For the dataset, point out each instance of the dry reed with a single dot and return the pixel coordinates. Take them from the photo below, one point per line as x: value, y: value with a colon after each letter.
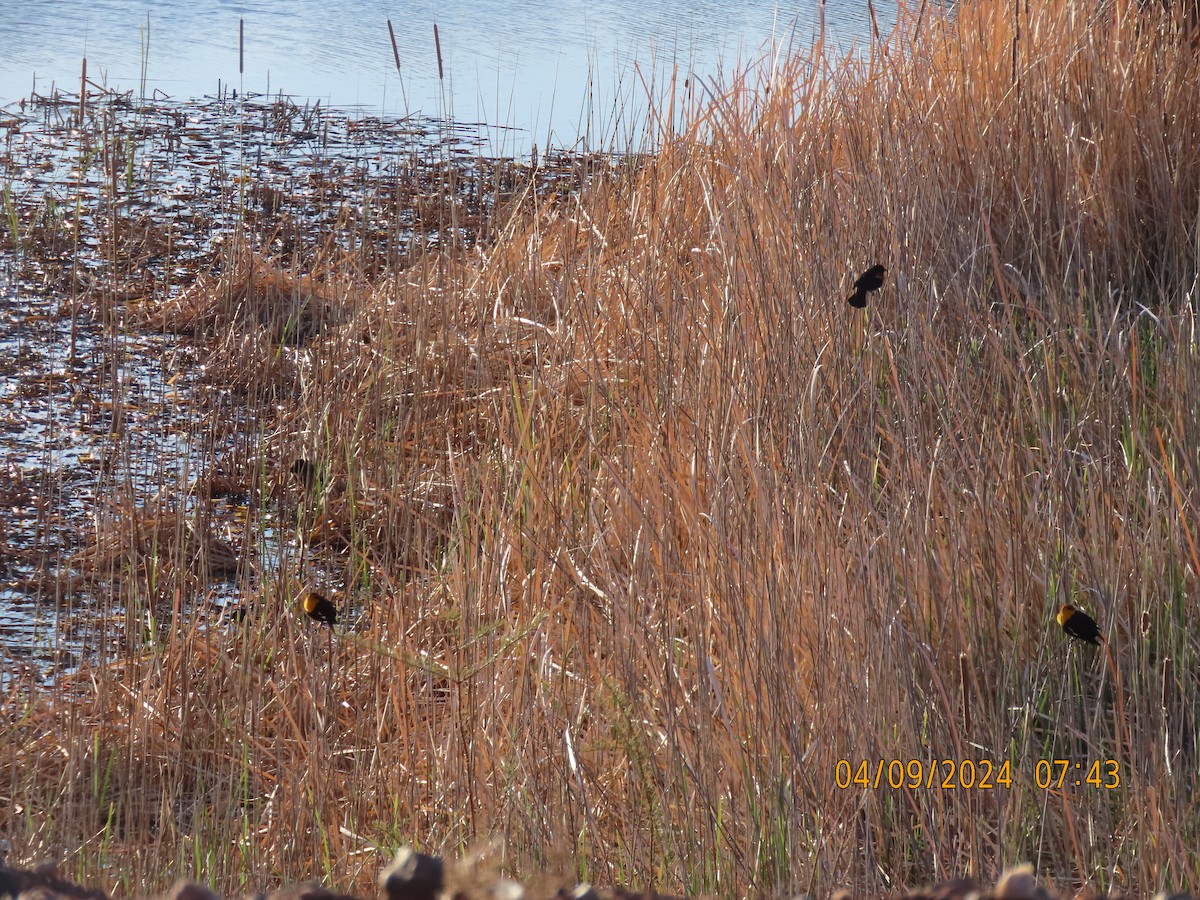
x: 642, y: 530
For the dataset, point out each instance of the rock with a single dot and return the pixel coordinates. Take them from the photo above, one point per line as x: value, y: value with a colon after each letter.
x: 507, y: 889
x: 413, y: 876
x: 43, y: 883
x: 307, y: 891
x: 1019, y: 883
x: 189, y: 890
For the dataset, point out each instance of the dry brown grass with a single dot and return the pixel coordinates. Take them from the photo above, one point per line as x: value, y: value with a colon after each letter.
x: 644, y: 530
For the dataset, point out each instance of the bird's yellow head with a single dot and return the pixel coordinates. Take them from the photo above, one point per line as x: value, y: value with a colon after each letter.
x: 1065, y: 613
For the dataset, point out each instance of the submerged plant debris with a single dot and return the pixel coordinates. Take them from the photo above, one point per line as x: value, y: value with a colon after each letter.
x: 122, y: 219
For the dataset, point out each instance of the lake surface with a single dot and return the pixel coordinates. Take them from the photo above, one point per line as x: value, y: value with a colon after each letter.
x: 550, y: 73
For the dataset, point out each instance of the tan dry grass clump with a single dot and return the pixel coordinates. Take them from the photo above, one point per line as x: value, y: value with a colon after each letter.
x: 704, y: 532
x: 151, y: 544
x: 248, y: 293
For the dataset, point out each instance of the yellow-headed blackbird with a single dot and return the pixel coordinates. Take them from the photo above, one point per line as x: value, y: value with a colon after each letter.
x: 1079, y: 625
x: 870, y: 280
x: 319, y: 608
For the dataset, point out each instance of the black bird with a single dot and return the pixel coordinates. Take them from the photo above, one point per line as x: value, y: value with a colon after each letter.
x: 319, y: 608
x: 235, y: 614
x: 1079, y: 625
x: 307, y: 473
x: 870, y: 280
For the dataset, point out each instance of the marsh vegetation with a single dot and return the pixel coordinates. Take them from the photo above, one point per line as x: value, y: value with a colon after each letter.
x: 635, y: 530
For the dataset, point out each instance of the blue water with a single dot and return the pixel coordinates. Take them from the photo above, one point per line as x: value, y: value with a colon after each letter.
x: 556, y: 72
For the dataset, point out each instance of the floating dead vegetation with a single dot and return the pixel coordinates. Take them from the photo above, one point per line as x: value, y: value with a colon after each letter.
x: 155, y: 545
x: 209, y: 283
x: 249, y: 293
